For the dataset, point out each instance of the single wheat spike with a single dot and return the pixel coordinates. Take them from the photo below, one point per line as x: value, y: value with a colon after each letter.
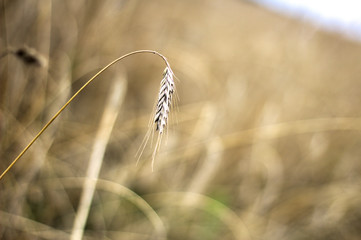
x: 164, y: 111
x: 164, y: 100
x: 162, y: 108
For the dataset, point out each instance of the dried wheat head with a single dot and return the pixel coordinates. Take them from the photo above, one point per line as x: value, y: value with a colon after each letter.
x: 164, y: 100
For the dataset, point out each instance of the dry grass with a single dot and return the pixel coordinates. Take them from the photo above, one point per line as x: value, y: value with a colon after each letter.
x: 266, y: 144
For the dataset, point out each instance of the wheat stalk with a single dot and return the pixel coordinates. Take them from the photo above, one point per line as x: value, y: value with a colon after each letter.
x: 97, y: 157
x: 168, y: 78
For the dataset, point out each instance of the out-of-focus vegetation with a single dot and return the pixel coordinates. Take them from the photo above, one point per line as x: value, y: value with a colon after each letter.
x: 265, y: 142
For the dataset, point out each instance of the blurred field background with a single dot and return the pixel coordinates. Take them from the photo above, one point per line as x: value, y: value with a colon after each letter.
x: 264, y: 144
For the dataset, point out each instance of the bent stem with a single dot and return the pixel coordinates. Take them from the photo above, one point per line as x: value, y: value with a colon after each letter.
x: 72, y: 98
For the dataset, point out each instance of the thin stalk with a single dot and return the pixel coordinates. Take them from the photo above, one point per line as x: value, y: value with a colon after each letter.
x: 72, y: 98
x: 97, y: 156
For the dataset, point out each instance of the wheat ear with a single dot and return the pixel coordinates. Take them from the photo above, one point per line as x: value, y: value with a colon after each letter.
x: 163, y: 107
x: 164, y: 100
x: 77, y: 93
x: 161, y: 114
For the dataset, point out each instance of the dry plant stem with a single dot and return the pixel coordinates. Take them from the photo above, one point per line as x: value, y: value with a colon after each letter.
x: 96, y: 159
x: 72, y: 98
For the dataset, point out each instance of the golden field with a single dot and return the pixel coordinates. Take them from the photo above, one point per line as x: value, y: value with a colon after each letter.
x: 263, y: 143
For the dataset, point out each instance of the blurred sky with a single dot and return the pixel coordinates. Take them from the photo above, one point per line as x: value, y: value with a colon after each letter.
x: 342, y: 16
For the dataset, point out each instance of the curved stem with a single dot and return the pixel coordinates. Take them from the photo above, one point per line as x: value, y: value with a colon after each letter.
x: 72, y: 98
